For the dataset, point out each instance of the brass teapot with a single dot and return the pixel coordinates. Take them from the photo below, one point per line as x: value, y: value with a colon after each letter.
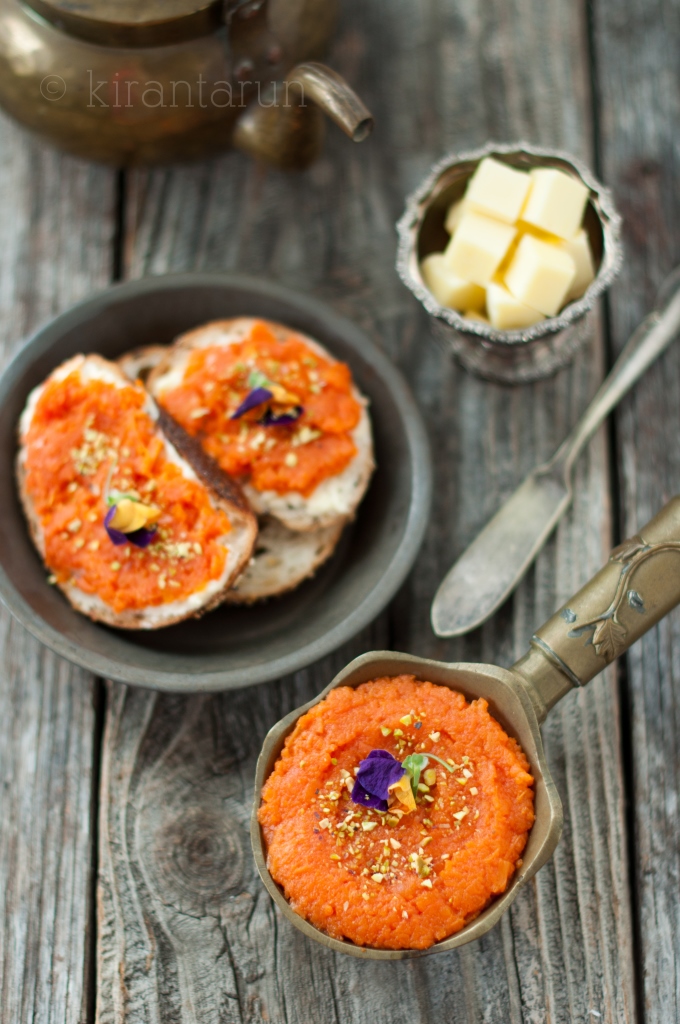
x: 149, y: 81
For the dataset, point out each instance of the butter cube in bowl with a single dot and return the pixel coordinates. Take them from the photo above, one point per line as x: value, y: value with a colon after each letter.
x: 507, y: 248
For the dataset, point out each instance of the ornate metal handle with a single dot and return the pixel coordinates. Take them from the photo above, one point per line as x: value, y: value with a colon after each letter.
x: 638, y: 586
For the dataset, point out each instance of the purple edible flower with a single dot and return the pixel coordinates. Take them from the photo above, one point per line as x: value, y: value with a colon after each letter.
x: 377, y: 773
x: 272, y: 419
x: 140, y: 538
x: 254, y: 398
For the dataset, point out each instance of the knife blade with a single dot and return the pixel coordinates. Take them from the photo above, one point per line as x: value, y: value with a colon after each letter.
x: 489, y: 570
x: 497, y: 559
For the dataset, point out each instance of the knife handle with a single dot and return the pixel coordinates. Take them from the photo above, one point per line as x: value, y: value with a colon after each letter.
x: 637, y: 587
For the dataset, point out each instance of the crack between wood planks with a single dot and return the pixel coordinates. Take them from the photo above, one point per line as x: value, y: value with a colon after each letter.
x: 334, y: 997
x: 282, y: 990
x: 99, y: 687
x: 118, y: 241
x: 239, y: 996
x: 90, y: 1001
x: 615, y: 481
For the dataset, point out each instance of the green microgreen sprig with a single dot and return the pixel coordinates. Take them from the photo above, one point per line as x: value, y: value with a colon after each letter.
x: 414, y: 764
x: 113, y: 497
x: 257, y: 379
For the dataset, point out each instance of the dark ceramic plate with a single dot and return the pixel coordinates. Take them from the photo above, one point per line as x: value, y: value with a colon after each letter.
x: 229, y: 647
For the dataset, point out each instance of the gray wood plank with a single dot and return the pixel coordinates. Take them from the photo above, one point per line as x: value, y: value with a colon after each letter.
x: 637, y: 49
x: 55, y: 246
x: 437, y: 75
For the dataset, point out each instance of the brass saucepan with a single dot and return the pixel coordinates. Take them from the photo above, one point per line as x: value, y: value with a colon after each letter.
x: 636, y: 588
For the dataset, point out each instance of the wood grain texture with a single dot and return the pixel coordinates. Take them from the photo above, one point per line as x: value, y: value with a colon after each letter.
x: 175, y: 946
x: 637, y: 48
x: 55, y: 247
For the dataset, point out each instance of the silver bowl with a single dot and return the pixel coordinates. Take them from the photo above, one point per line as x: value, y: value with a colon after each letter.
x: 519, y: 356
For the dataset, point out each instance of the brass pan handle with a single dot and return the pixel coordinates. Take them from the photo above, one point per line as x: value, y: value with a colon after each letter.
x: 638, y: 586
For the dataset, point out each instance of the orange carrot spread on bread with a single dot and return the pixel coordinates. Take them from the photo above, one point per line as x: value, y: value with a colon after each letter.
x: 299, y: 431
x: 91, y: 443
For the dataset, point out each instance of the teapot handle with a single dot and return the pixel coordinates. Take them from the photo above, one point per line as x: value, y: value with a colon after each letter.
x: 638, y: 586
x: 230, y: 7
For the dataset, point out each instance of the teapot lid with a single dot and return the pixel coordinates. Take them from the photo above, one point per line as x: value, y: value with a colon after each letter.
x: 135, y: 22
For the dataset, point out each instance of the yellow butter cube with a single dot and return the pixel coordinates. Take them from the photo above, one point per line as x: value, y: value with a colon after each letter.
x: 555, y: 203
x: 578, y: 248
x: 473, y: 314
x: 540, y: 275
x: 499, y: 276
x: 454, y: 213
x: 498, y: 190
x: 508, y: 313
x: 448, y: 289
x: 478, y: 246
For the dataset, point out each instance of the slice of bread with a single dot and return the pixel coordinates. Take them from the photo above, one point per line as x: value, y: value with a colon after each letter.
x: 194, y: 465
x: 282, y: 559
x: 138, y: 364
x: 335, y: 500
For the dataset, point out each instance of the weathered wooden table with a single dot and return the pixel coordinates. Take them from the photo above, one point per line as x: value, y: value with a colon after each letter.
x: 127, y: 887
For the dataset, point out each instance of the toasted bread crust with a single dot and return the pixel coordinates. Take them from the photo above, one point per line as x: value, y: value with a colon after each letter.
x: 282, y: 560
x: 336, y: 499
x: 223, y: 494
x: 138, y: 364
x: 205, y: 467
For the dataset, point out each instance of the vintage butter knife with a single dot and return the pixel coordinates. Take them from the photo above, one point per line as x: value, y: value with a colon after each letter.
x: 492, y: 566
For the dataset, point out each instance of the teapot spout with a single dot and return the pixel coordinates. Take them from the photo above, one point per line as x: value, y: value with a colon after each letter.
x: 285, y: 127
x: 334, y: 96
